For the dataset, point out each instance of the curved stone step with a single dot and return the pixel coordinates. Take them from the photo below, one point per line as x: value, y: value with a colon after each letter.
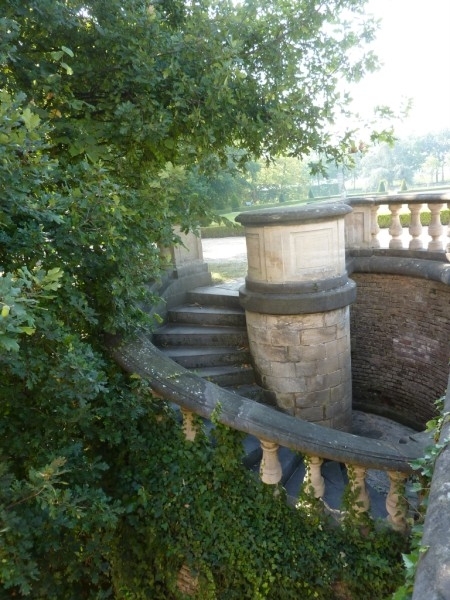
x: 228, y: 375
x: 195, y: 335
x: 214, y: 296
x: 207, y: 315
x: 196, y: 357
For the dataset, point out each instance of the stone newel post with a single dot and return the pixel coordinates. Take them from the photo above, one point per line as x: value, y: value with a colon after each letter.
x: 297, y: 296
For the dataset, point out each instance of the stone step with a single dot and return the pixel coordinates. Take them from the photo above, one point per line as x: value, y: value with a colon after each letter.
x: 214, y: 296
x: 290, y: 463
x: 207, y: 315
x: 335, y: 482
x: 252, y: 451
x: 227, y: 376
x: 197, y: 357
x: 252, y: 391
x: 294, y: 483
x: 173, y: 334
x: 377, y: 484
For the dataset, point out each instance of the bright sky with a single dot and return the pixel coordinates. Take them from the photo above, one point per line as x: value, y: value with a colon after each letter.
x: 414, y: 45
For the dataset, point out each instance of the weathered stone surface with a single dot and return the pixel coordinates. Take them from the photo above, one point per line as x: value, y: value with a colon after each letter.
x: 315, y: 337
x: 296, y: 299
x: 306, y: 353
x: 283, y: 369
x: 433, y: 573
x: 286, y: 402
x: 314, y: 414
x: 176, y: 384
x: 305, y: 369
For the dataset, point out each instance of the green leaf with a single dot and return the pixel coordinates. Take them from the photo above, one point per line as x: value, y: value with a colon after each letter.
x: 27, y: 330
x: 67, y: 51
x: 8, y: 343
x: 57, y: 54
x: 68, y: 69
x: 30, y: 119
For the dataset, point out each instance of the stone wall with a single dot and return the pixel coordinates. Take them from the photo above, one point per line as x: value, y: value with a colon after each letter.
x: 400, y: 331
x: 306, y: 359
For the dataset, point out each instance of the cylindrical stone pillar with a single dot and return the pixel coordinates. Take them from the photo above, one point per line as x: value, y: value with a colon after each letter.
x: 296, y: 297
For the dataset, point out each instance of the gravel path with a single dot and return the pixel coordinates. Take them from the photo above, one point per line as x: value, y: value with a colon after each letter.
x: 220, y: 249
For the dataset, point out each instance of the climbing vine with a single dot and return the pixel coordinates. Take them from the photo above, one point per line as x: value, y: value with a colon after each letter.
x: 238, y: 537
x: 424, y: 468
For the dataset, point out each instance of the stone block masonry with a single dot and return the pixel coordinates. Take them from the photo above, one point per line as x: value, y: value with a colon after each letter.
x: 297, y: 296
x: 306, y: 359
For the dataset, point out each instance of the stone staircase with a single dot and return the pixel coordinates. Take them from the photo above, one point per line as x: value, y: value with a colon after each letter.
x: 208, y: 336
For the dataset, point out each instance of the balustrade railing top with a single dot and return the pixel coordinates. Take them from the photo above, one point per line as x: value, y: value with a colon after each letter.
x: 363, y: 230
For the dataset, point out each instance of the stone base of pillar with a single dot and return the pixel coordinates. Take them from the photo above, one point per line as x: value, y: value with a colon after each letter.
x: 303, y: 361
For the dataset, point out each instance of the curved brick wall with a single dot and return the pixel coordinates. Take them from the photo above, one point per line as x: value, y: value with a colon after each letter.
x: 400, y: 332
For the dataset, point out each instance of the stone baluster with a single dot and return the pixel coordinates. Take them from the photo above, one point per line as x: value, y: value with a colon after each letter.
x: 396, y: 229
x: 189, y: 427
x: 435, y: 229
x: 357, y: 483
x: 396, y: 505
x: 374, y: 228
x: 313, y: 476
x: 415, y: 228
x: 270, y: 470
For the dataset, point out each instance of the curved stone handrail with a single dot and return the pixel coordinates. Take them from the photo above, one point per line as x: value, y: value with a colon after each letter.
x: 176, y: 384
x: 433, y: 573
x: 403, y: 262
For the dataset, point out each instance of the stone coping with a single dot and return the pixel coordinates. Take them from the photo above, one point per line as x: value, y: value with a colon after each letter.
x: 405, y: 198
x: 305, y: 213
x: 292, y: 301
x: 400, y: 262
x: 296, y: 287
x: 433, y: 573
x: 176, y: 384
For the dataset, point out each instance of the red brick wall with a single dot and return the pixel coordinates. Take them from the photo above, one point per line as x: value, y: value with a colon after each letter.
x: 400, y: 329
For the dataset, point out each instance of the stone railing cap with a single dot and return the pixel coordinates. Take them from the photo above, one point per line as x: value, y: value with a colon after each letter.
x: 403, y: 198
x: 176, y: 384
x: 304, y: 213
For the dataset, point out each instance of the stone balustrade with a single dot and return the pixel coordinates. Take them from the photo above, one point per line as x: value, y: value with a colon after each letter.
x: 314, y: 483
x: 362, y: 229
x: 275, y: 429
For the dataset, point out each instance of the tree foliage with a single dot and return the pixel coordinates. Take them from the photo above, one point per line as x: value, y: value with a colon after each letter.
x: 109, y: 112
x: 407, y: 159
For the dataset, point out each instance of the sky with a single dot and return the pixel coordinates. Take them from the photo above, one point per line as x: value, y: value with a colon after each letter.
x: 414, y: 45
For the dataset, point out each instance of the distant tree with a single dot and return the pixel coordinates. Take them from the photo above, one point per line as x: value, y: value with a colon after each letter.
x: 378, y: 164
x: 434, y: 150
x: 383, y: 186
x: 431, y: 169
x: 285, y: 179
